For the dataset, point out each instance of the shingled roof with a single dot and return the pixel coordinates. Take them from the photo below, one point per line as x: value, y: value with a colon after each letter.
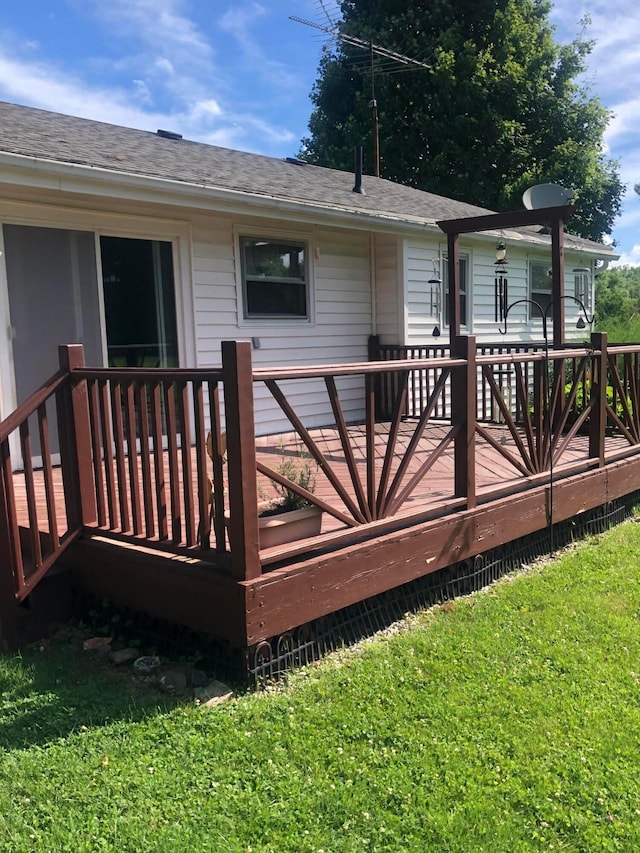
x: 63, y: 139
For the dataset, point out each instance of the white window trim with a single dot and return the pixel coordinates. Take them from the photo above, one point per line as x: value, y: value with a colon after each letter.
x: 270, y: 233
x: 533, y: 315
x: 465, y: 322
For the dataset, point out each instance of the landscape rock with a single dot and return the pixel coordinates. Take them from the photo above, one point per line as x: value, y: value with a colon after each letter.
x: 174, y: 681
x: 123, y: 656
x: 213, y: 694
x: 96, y: 643
x: 146, y: 664
x: 198, y: 678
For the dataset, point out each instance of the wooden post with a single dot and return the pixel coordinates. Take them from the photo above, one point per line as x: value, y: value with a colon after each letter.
x: 557, y: 281
x: 9, y: 613
x: 74, y: 427
x: 598, y: 414
x: 453, y: 272
x: 540, y: 396
x: 373, y: 353
x: 373, y: 344
x: 241, y: 456
x: 463, y: 414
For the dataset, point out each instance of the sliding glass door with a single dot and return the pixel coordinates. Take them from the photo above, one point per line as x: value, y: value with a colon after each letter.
x: 139, y: 302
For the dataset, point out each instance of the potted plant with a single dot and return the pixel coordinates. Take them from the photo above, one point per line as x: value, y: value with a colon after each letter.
x: 288, y: 515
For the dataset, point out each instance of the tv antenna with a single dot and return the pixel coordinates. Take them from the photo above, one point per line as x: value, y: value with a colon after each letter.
x: 374, y: 50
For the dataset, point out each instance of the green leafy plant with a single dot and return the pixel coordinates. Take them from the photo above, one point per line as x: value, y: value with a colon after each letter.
x: 299, y: 471
x: 583, y: 395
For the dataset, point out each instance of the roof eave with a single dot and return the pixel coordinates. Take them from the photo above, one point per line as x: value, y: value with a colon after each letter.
x: 67, y: 177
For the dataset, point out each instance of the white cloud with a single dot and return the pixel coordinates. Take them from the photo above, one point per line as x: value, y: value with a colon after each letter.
x: 241, y: 23
x: 160, y: 24
x: 629, y: 259
x: 238, y: 23
x: 203, y: 121
x: 44, y: 86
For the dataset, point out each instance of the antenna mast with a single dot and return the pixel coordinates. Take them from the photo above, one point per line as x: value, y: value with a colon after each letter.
x: 374, y: 49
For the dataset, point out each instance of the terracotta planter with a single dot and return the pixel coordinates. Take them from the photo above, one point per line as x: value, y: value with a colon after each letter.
x: 288, y: 526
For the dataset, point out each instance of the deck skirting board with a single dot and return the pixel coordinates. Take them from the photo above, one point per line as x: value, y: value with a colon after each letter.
x: 288, y: 597
x: 204, y: 599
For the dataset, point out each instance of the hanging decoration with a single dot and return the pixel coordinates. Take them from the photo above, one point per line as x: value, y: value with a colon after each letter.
x: 582, y: 286
x: 501, y: 298
x: 435, y: 282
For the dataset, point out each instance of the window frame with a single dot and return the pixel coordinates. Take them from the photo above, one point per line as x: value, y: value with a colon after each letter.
x: 534, y: 313
x: 245, y: 235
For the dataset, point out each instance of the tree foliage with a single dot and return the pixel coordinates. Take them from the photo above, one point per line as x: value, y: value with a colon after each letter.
x: 500, y: 108
x: 618, y: 303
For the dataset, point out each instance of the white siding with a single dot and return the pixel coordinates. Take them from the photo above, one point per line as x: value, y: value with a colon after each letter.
x: 389, y: 288
x: 338, y: 331
x: 419, y: 257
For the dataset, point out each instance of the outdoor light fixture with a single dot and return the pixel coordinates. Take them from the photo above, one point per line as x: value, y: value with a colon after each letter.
x: 436, y: 298
x: 500, y: 283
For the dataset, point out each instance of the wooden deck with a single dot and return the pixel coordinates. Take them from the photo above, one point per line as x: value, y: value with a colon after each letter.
x: 434, y: 483
x: 493, y: 472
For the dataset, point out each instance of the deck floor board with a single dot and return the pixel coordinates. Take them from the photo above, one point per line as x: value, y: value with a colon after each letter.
x: 493, y: 471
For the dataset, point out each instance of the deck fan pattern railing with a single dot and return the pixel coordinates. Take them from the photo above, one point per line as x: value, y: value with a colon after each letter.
x: 545, y: 391
x: 421, y: 380
x: 623, y: 391
x: 383, y: 469
x: 135, y: 463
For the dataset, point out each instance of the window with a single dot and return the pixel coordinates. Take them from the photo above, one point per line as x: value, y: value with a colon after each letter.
x: 539, y: 288
x: 275, y: 278
x: 464, y: 290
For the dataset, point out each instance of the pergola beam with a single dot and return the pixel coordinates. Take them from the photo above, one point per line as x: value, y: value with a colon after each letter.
x: 511, y: 219
x: 552, y: 217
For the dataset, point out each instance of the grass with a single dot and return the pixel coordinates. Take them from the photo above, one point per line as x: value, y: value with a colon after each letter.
x: 507, y: 721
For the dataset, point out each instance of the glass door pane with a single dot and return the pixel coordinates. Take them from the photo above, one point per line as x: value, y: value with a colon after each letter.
x: 139, y: 302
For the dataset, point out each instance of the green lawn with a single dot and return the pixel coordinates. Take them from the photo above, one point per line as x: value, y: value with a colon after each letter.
x: 509, y: 721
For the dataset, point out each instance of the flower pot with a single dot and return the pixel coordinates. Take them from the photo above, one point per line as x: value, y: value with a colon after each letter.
x: 286, y: 527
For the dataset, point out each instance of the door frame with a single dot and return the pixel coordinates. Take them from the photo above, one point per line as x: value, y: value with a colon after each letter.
x: 177, y: 232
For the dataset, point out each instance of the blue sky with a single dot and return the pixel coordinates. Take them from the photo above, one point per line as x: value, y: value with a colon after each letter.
x: 238, y: 72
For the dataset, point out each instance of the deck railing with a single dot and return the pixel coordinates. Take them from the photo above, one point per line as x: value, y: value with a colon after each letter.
x: 54, y: 512
x: 421, y: 380
x: 136, y: 464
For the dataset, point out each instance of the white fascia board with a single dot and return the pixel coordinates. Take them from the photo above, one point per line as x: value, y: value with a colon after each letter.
x: 91, y: 181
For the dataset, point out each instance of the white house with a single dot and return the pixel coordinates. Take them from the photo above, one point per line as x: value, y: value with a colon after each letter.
x: 152, y: 249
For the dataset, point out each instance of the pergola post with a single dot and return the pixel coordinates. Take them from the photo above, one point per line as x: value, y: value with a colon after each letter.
x: 453, y: 267
x: 553, y: 217
x: 557, y: 281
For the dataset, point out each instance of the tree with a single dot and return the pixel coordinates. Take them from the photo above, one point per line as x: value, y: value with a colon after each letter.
x: 499, y: 110
x: 618, y: 303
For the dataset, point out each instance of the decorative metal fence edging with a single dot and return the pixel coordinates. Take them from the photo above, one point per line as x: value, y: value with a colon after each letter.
x: 272, y: 659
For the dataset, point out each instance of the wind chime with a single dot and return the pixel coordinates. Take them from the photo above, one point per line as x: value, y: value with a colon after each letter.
x: 582, y: 286
x: 436, y: 299
x: 500, y: 283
